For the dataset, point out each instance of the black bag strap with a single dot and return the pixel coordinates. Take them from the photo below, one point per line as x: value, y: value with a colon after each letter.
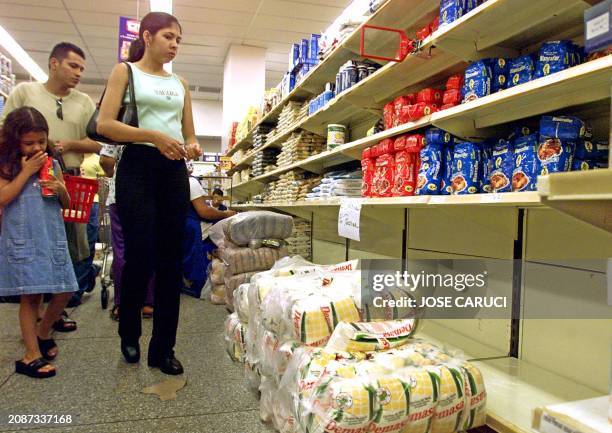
x: 130, y: 87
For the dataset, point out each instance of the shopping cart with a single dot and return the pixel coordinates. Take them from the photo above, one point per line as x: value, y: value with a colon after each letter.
x: 104, y: 238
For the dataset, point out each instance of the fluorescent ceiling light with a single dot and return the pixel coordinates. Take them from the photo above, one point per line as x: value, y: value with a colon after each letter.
x: 162, y: 6
x: 23, y: 58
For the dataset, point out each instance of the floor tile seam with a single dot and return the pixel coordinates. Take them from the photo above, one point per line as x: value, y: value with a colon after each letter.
x: 136, y: 420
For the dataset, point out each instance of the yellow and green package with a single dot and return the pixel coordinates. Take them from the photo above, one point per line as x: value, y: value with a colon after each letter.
x: 311, y: 318
x: 451, y: 405
x: 371, y: 336
x: 423, y: 399
x: 476, y: 415
x: 392, y: 404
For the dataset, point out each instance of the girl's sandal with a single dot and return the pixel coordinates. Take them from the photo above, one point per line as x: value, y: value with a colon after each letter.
x: 65, y: 324
x: 45, y: 346
x: 33, y: 369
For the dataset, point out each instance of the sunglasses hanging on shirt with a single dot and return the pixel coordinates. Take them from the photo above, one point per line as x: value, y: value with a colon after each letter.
x: 59, y: 112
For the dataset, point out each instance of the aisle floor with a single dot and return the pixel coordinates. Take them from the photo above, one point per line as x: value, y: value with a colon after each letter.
x: 102, y: 392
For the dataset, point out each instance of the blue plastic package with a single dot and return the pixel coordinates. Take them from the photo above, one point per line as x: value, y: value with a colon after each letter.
x: 451, y: 10
x: 477, y: 83
x: 502, y: 166
x: 438, y: 136
x: 466, y: 168
x: 555, y: 56
x: 313, y: 46
x: 554, y: 154
x: 563, y: 127
x: 586, y: 149
x: 429, y: 180
x: 520, y: 71
x: 524, y: 175
x: 585, y: 164
x: 486, y: 150
x: 518, y: 131
x: 447, y: 169
x: 500, y: 68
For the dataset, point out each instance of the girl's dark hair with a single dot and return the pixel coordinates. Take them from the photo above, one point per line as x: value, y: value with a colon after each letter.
x: 16, y: 124
x: 217, y: 191
x: 153, y: 22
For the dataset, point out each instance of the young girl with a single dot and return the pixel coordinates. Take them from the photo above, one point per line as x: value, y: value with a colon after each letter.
x: 34, y: 256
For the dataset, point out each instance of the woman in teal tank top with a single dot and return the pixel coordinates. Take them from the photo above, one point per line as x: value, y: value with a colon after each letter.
x: 152, y: 187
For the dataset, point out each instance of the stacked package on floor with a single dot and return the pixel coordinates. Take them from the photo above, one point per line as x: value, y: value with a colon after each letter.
x: 260, y: 134
x: 264, y: 161
x: 337, y: 184
x: 300, y: 146
x: 298, y: 244
x: 239, y: 241
x: 320, y: 368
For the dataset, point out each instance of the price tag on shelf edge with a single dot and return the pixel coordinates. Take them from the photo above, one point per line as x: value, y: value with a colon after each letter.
x: 348, y: 218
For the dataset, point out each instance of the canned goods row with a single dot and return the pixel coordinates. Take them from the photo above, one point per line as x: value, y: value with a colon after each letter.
x: 352, y: 73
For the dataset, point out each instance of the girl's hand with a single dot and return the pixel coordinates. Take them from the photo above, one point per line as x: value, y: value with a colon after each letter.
x: 169, y: 147
x: 194, y: 151
x: 31, y: 165
x: 54, y: 184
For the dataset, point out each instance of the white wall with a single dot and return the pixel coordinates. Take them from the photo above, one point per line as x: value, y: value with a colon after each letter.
x: 207, y: 117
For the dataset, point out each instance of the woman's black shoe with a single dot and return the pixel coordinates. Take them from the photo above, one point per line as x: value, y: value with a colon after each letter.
x: 131, y: 352
x: 168, y: 364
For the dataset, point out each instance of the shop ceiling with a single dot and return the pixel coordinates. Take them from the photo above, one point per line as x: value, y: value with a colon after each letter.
x: 209, y: 27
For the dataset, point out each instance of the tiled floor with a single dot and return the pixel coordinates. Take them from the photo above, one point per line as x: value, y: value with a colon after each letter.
x: 103, y: 394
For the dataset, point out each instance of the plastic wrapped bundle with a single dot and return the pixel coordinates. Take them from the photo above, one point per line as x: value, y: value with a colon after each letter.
x: 371, y: 336
x: 234, y: 338
x: 241, y: 260
x: 217, y: 295
x: 217, y: 272
x: 232, y: 284
x: 241, y: 302
x: 243, y: 227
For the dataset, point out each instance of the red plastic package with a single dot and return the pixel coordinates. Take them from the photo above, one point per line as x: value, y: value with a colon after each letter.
x: 400, y: 143
x: 452, y: 97
x: 418, y: 110
x: 455, y: 82
x: 386, y: 146
x: 435, y: 24
x: 398, y: 104
x: 414, y: 143
x: 389, y: 115
x: 405, y: 173
x: 430, y: 96
x: 447, y: 106
x: 384, y: 176
x: 368, y: 167
x: 424, y: 32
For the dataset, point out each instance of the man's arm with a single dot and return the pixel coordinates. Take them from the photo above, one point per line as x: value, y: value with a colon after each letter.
x: 86, y: 145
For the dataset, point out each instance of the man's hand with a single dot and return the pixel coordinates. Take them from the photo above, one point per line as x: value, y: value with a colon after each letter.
x: 31, y: 165
x: 194, y: 151
x: 63, y: 146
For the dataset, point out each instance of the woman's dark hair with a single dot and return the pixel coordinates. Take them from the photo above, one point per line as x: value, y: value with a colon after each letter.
x: 17, y: 123
x: 217, y: 191
x: 153, y: 22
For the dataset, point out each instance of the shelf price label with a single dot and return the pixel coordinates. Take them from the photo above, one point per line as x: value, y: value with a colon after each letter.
x: 348, y: 218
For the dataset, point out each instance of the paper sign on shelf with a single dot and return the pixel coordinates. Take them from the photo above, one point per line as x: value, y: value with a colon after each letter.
x: 348, y: 218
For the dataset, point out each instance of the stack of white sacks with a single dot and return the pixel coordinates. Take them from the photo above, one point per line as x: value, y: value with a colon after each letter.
x: 319, y: 367
x: 247, y: 243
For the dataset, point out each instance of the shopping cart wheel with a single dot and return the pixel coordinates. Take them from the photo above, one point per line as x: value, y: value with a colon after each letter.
x: 104, y: 298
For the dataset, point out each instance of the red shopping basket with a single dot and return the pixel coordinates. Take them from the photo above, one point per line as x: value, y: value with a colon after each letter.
x: 82, y: 192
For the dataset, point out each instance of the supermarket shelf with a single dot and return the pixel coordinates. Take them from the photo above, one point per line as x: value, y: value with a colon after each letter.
x: 586, y: 195
x: 519, y: 199
x: 582, y: 84
x: 515, y: 388
x: 496, y: 28
x: 590, y: 82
